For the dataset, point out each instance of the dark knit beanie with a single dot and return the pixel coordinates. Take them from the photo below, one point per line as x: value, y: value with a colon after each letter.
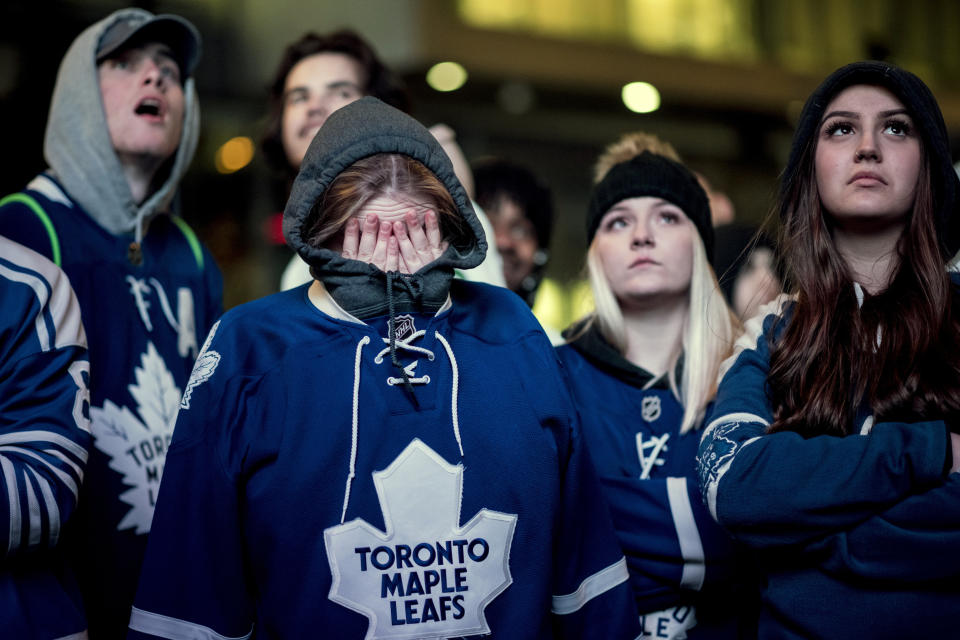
x: 927, y: 119
x: 650, y: 174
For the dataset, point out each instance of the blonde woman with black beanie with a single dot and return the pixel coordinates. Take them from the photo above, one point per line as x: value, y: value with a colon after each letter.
x: 643, y: 369
x: 831, y: 450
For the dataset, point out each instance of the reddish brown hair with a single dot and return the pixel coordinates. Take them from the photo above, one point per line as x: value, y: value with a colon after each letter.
x: 384, y: 174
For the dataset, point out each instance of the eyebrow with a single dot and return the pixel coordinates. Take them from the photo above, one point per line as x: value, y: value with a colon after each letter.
x: 853, y: 115
x: 337, y: 84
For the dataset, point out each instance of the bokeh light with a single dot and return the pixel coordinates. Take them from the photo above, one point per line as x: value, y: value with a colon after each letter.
x: 446, y: 76
x: 641, y: 97
x: 234, y: 154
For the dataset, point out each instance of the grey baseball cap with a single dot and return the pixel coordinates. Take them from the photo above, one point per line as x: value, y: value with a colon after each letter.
x: 142, y: 26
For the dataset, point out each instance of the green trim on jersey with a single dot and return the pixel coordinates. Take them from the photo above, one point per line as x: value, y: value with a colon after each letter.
x: 34, y: 206
x: 191, y: 239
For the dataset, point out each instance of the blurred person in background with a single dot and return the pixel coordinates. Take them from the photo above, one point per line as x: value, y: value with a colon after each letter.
x: 319, y: 74
x: 520, y: 208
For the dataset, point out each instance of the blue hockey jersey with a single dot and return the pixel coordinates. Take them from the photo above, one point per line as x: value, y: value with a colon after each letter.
x: 856, y: 536
x: 307, y: 493
x: 145, y: 324
x: 680, y: 561
x: 44, y: 441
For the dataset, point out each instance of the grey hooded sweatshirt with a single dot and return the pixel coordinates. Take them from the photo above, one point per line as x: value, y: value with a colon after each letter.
x: 359, y: 130
x: 77, y: 142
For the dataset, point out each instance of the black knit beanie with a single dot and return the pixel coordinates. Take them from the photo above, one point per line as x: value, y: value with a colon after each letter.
x: 650, y: 174
x: 924, y: 111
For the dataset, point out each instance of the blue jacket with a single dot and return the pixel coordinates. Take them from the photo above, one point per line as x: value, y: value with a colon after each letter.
x: 857, y: 536
x: 308, y: 493
x: 44, y: 442
x: 145, y: 325
x: 680, y: 561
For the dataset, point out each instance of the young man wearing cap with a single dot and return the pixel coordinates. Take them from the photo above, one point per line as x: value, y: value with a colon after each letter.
x: 122, y: 130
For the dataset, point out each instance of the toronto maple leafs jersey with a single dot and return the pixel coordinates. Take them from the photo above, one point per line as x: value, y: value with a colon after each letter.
x: 857, y: 536
x: 44, y: 440
x: 145, y: 325
x: 309, y: 493
x: 680, y: 561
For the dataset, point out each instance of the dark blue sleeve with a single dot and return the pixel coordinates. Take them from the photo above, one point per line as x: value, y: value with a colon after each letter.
x: 590, y: 585
x: 782, y: 489
x: 670, y: 541
x: 592, y: 595
x: 193, y: 578
x: 914, y: 542
x: 20, y: 224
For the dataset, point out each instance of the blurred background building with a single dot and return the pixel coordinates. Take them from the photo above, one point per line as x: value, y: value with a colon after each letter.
x: 546, y: 83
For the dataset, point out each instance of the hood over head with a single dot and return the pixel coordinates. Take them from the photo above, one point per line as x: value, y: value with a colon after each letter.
x: 926, y: 115
x: 356, y: 131
x: 77, y: 143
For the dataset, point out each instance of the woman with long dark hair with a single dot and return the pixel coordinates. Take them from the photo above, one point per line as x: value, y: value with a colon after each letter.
x: 831, y: 449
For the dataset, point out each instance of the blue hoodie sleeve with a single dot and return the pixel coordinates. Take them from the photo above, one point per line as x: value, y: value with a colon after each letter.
x: 780, y: 489
x: 44, y: 401
x: 912, y: 543
x: 193, y: 581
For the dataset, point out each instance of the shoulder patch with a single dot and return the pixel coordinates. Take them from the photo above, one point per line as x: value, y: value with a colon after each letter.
x: 203, y: 368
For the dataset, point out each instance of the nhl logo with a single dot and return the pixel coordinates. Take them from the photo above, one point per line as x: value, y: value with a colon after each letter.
x: 404, y: 327
x: 650, y: 408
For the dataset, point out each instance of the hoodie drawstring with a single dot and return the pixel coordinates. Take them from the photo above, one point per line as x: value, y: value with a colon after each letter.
x: 392, y: 346
x: 414, y: 285
x: 354, y: 429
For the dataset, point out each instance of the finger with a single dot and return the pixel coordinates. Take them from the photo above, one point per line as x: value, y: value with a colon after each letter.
x: 417, y: 235
x: 393, y: 254
x: 379, y: 258
x: 351, y: 239
x: 368, y: 237
x: 408, y: 252
x: 434, y: 240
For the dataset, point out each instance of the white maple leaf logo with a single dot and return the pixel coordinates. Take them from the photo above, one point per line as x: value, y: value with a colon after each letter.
x: 426, y: 576
x: 137, y: 443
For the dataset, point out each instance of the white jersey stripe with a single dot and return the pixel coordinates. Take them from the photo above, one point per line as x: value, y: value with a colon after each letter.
x: 58, y: 305
x: 45, y: 436
x: 10, y: 479
x: 53, y: 512
x: 175, y: 629
x: 40, y: 289
x: 62, y: 475
x: 691, y: 546
x: 35, y: 535
x: 595, y: 585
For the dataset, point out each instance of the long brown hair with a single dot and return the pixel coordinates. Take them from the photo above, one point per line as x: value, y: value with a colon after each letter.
x: 898, y: 353
x: 384, y: 174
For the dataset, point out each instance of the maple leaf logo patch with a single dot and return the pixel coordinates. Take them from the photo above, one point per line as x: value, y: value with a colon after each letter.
x: 425, y: 576
x: 137, y: 443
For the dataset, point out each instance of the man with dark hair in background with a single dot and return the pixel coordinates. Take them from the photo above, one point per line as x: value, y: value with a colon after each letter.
x: 317, y: 75
x: 520, y: 209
